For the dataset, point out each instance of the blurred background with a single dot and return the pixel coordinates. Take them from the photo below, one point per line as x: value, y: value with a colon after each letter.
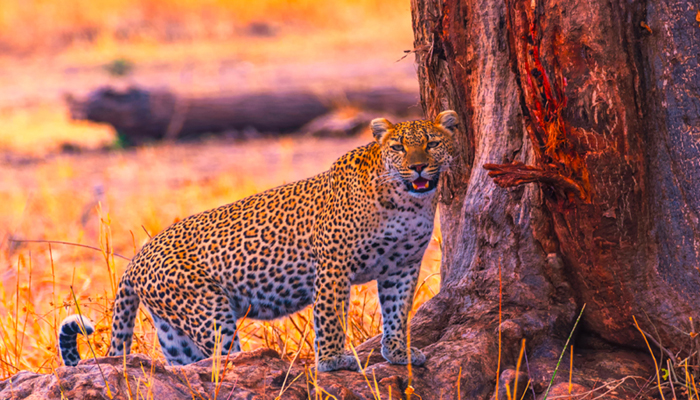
x: 84, y: 81
x: 50, y: 49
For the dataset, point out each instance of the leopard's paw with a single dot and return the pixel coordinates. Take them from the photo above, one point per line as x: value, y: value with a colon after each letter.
x: 336, y: 362
x: 395, y: 352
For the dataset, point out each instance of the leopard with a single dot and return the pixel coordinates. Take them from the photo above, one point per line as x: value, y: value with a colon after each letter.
x: 368, y: 218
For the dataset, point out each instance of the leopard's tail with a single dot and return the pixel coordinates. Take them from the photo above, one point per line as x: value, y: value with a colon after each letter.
x: 126, y: 305
x: 68, y: 337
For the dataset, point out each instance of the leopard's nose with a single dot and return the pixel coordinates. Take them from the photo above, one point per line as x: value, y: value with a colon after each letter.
x: 418, y: 167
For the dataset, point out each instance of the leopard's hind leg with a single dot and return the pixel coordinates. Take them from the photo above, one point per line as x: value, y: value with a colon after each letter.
x: 177, y: 347
x: 126, y: 306
x: 200, y: 319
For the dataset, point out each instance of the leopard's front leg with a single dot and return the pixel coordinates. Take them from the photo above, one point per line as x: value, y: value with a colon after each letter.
x: 396, y: 290
x: 332, y: 288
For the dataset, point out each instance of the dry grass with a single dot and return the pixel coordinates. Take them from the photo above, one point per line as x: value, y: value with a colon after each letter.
x: 60, y: 199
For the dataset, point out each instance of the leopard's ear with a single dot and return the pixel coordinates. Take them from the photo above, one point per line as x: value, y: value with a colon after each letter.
x: 447, y: 120
x: 380, y: 127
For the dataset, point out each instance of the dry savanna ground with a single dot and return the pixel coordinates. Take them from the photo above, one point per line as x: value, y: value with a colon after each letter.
x: 113, y: 199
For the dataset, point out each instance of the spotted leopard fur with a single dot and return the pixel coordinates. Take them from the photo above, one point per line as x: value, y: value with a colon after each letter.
x: 370, y: 217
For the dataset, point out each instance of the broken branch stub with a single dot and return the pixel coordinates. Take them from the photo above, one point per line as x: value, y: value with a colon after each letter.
x: 517, y: 173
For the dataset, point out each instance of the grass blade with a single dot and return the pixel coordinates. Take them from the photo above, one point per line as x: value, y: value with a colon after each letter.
x: 551, y: 381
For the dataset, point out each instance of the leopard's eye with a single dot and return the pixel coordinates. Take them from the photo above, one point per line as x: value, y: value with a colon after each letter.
x: 397, y: 147
x: 432, y: 145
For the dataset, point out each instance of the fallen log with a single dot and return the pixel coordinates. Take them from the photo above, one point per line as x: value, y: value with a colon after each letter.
x: 140, y: 115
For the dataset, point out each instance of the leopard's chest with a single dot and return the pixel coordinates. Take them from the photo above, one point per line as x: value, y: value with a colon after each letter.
x: 396, y: 244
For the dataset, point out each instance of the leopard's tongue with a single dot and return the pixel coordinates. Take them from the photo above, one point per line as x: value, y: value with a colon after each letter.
x: 420, y: 183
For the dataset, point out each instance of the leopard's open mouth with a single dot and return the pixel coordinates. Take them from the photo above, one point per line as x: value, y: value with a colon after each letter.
x: 422, y: 185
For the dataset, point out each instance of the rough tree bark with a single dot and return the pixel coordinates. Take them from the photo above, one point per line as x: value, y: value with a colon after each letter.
x: 595, y: 105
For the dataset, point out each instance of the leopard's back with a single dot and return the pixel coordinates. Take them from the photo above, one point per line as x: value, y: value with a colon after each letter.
x: 258, y: 250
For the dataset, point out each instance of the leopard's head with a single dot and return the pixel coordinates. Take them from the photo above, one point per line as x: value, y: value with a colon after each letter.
x: 415, y: 152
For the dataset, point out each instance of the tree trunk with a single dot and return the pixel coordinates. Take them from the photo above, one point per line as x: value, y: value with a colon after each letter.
x: 597, y: 104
